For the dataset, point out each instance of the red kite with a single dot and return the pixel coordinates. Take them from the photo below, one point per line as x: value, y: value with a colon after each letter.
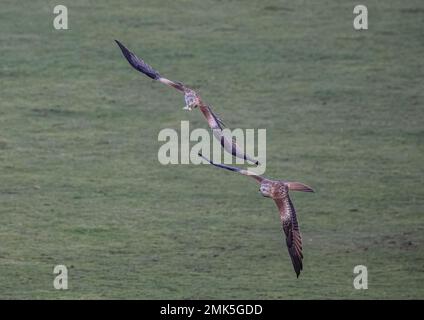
x: 278, y: 190
x: 192, y: 101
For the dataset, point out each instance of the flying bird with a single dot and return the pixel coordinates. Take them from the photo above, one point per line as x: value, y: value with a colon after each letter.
x: 192, y: 101
x: 278, y: 190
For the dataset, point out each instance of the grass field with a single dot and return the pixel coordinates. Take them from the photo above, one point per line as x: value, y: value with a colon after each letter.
x: 81, y: 184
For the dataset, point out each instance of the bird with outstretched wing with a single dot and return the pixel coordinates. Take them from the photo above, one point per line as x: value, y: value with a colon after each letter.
x: 192, y: 101
x: 278, y: 190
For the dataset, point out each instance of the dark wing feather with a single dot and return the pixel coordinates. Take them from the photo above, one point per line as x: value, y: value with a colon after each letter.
x: 138, y: 63
x: 144, y: 68
x: 292, y: 232
x: 217, y: 119
x: 235, y: 169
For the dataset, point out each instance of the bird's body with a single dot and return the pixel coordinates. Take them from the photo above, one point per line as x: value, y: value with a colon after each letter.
x: 192, y: 101
x: 278, y: 190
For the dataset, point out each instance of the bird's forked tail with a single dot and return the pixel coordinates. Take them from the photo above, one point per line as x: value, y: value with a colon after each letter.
x: 297, y: 186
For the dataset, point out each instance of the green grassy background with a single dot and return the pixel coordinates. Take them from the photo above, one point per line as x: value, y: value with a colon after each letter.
x: 80, y: 183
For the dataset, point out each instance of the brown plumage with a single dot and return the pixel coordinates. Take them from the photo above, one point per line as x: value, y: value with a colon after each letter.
x: 192, y: 101
x: 278, y: 190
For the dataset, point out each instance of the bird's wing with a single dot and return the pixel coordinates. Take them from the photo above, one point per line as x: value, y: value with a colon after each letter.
x: 291, y: 230
x: 143, y: 67
x: 217, y: 126
x: 235, y: 169
x: 213, y: 120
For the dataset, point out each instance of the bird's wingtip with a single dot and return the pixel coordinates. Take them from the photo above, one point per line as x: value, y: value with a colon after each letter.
x: 201, y: 156
x: 119, y: 44
x: 298, y: 271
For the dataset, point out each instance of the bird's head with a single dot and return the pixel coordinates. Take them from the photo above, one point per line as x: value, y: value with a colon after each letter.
x: 274, y: 190
x: 266, y: 189
x: 192, y: 99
